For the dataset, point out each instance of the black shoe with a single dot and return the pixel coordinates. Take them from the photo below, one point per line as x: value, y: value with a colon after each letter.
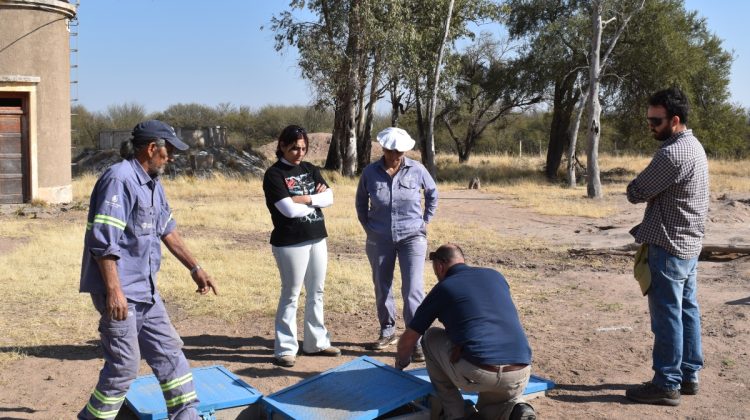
x: 522, y: 411
x: 418, y: 355
x: 689, y: 388
x: 383, y: 342
x: 648, y: 393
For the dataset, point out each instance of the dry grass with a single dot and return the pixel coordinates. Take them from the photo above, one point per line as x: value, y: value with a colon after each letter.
x: 226, y: 224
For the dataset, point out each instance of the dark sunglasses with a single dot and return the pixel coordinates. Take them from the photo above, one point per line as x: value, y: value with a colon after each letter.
x: 656, y: 121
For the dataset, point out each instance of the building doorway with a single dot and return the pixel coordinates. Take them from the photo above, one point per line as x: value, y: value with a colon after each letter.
x: 14, y: 148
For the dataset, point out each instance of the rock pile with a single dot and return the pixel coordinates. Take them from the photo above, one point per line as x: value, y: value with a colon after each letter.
x: 203, y: 162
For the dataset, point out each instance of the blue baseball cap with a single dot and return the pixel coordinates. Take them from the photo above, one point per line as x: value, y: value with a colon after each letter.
x: 154, y: 129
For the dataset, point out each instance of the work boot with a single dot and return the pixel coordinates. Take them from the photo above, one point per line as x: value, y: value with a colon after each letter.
x: 284, y: 361
x: 418, y: 355
x: 522, y: 411
x: 329, y: 351
x: 648, y: 393
x: 689, y: 388
x: 383, y: 342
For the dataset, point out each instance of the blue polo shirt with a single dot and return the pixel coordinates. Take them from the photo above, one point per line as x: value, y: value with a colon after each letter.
x: 475, y: 306
x: 128, y: 216
x: 392, y: 207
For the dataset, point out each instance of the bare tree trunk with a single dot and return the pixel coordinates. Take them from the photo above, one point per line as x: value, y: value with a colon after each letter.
x: 428, y: 155
x: 597, y: 64
x: 594, y: 184
x: 364, y: 147
x: 348, y: 127
x: 333, y: 158
x: 573, y: 135
x: 395, y: 102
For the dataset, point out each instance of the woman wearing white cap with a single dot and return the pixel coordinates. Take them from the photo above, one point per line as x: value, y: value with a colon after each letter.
x: 388, y: 203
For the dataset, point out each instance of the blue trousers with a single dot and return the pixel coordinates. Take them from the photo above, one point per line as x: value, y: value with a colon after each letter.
x: 382, y: 254
x: 675, y: 318
x: 146, y: 331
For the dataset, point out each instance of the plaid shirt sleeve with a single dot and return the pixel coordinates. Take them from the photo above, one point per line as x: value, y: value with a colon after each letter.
x: 675, y: 188
x: 659, y: 175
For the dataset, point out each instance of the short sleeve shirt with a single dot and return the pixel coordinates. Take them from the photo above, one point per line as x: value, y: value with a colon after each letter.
x: 281, y: 181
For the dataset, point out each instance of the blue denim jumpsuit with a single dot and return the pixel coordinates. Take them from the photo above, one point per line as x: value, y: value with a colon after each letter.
x: 390, y: 211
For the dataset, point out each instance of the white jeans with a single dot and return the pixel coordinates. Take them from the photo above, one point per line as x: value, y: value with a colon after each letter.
x: 304, y: 262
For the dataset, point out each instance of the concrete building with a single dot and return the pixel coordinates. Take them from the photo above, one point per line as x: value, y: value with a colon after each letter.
x: 35, y: 101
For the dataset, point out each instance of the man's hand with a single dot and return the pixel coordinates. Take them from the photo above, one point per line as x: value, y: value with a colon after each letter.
x: 320, y: 188
x: 117, y: 305
x: 204, y: 282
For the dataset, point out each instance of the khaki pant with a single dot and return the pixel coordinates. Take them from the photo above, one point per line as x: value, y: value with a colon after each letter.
x: 498, y: 392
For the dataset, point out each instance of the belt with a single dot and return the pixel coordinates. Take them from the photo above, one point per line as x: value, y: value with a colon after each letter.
x: 498, y: 368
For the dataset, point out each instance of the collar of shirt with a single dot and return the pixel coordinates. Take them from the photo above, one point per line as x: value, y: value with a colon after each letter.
x: 405, y: 163
x: 140, y: 173
x: 677, y: 136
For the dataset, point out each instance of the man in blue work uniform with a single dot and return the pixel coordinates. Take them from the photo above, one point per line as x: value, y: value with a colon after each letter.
x: 129, y: 218
x: 483, y: 347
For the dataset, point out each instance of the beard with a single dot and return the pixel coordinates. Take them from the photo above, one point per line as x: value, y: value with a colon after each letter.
x: 154, y: 170
x: 664, y: 133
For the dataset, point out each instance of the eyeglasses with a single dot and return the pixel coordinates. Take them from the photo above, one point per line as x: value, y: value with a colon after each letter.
x: 300, y: 131
x: 655, y: 121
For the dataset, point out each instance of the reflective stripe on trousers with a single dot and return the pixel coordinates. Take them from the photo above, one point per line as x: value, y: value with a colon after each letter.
x: 148, y: 332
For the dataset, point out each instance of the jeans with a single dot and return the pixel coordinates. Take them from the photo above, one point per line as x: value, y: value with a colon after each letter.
x: 306, y: 263
x: 675, y: 318
x: 382, y: 253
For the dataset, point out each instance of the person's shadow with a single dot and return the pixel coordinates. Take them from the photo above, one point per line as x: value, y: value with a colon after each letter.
x: 581, y: 393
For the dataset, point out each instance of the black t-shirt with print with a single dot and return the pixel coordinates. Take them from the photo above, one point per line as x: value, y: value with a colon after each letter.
x: 281, y: 181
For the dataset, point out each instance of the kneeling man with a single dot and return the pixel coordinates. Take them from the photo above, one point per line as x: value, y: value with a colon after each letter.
x: 483, y: 347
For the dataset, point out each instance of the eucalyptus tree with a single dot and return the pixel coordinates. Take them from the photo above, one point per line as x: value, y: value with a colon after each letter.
x: 603, y: 13
x: 555, y: 35
x: 330, y: 50
x: 430, y: 28
x: 489, y: 86
x: 663, y: 45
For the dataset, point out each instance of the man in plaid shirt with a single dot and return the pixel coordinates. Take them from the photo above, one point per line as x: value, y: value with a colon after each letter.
x: 675, y: 188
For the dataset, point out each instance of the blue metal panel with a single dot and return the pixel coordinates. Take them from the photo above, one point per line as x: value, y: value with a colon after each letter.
x: 361, y: 389
x: 536, y: 384
x: 217, y: 389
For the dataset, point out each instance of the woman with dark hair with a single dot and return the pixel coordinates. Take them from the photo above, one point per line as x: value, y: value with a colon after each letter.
x: 295, y: 192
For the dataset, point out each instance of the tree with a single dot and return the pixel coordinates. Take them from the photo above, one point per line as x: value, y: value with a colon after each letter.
x: 488, y: 87
x: 331, y: 51
x: 597, y: 64
x: 192, y: 115
x: 125, y: 116
x: 428, y: 154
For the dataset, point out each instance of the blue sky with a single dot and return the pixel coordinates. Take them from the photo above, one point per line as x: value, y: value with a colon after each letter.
x: 161, y: 52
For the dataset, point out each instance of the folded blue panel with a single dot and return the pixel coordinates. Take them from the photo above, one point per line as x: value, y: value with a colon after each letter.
x: 217, y: 389
x: 536, y: 385
x: 361, y: 389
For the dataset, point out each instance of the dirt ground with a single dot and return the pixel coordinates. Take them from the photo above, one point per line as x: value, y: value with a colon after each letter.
x: 586, y: 321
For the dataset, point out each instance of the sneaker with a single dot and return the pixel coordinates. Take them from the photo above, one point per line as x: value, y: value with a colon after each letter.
x: 383, y: 342
x: 689, y: 388
x: 329, y: 352
x: 284, y: 361
x: 418, y: 355
x: 522, y: 411
x: 648, y: 393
